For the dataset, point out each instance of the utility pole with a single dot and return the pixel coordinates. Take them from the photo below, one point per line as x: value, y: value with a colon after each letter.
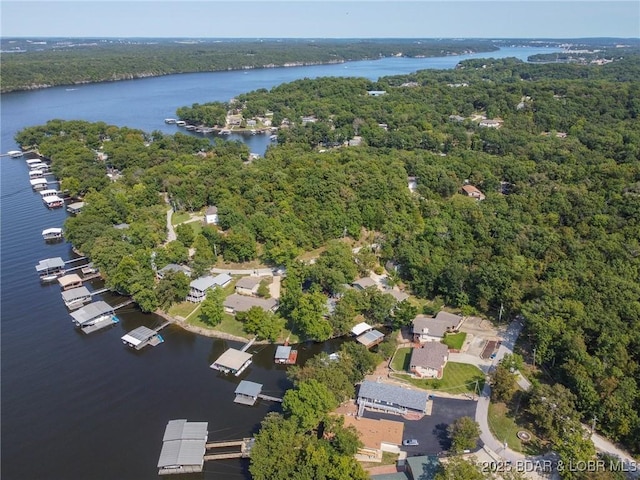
x: 534, y: 356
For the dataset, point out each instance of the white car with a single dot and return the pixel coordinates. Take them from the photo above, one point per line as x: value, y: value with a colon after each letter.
x: 411, y: 442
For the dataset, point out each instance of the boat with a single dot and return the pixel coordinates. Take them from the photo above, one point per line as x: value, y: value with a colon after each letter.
x: 273, y: 138
x: 253, y: 131
x: 190, y: 128
x: 15, y: 153
x: 170, y: 121
x: 38, y: 183
x: 181, y: 123
x: 225, y: 131
x: 52, y: 234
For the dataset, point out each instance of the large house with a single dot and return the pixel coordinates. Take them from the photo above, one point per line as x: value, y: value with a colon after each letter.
x: 390, y: 398
x: 429, y: 360
x: 198, y: 287
x: 427, y: 329
x: 377, y: 436
x: 241, y: 303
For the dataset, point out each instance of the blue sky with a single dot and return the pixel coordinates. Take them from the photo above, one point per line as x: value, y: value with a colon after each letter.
x: 321, y: 18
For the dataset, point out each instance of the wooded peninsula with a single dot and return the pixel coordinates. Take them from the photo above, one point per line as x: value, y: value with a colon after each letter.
x: 498, y: 186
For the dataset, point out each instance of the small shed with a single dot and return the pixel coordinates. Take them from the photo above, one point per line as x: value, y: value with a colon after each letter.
x: 247, y: 392
x: 211, y: 216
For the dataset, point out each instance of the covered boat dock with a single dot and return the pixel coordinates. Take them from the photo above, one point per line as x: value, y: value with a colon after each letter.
x: 285, y: 355
x: 247, y: 392
x: 370, y: 338
x: 75, y: 208
x: 70, y: 281
x: 140, y: 337
x: 76, y: 297
x: 52, y: 234
x: 232, y: 361
x: 50, y: 268
x: 183, y: 447
x: 95, y: 316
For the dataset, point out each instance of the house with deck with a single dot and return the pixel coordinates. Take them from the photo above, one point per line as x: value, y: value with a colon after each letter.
x: 390, y: 398
x: 428, y: 329
x: 429, y: 360
x: 241, y: 303
x: 198, y: 287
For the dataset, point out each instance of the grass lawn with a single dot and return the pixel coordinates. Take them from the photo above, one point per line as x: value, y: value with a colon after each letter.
x: 457, y: 378
x: 196, y: 227
x: 182, y: 309
x: 400, y: 361
x: 503, y: 426
x: 455, y: 340
x: 231, y: 326
x: 388, y: 458
x: 179, y: 217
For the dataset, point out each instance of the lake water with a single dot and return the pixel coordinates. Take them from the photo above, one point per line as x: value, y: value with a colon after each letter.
x: 78, y: 406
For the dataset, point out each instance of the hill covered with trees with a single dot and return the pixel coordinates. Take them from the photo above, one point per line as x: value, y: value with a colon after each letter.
x: 554, y: 150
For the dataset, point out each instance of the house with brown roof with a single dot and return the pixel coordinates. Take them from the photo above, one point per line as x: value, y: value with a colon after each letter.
x: 429, y: 360
x: 473, y: 192
x: 428, y: 329
x: 377, y: 436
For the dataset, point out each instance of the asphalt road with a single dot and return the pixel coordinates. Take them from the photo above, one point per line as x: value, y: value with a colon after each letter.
x: 431, y: 430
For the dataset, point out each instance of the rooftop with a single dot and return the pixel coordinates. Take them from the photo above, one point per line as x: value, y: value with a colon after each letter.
x: 249, y: 282
x: 361, y: 328
x: 242, y: 303
x: 370, y: 338
x: 50, y: 263
x: 423, y: 467
x: 384, y: 392
x: 69, y: 280
x: 365, y: 282
x: 432, y: 355
x: 137, y: 336
x: 249, y: 389
x: 204, y: 283
x: 374, y: 432
x: 183, y: 444
x: 282, y: 352
x: 91, y: 311
x: 74, y: 293
x: 232, y: 359
x: 438, y: 326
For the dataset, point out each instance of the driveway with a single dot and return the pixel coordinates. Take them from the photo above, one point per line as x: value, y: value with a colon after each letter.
x: 431, y: 430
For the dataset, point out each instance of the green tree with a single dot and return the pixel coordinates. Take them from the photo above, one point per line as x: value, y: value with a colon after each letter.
x: 308, y: 317
x: 464, y: 434
x: 211, y: 308
x: 185, y: 234
x: 261, y: 323
x: 457, y: 468
x: 173, y: 287
x: 403, y: 313
x: 308, y: 403
x: 503, y: 384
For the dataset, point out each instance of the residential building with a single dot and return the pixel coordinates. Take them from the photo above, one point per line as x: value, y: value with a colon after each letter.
x: 390, y: 398
x: 429, y: 360
x: 428, y: 329
x: 173, y: 267
x: 249, y: 285
x: 377, y: 436
x: 198, y: 287
x: 473, y: 192
x: 241, y: 303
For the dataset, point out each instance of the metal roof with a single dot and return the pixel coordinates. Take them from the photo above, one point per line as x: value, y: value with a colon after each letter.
x: 233, y: 359
x: 75, y: 206
x: 283, y: 352
x: 242, y: 303
x: 384, y: 392
x: 53, y: 230
x: 38, y: 181
x: 183, y: 444
x: 91, y: 311
x: 138, y: 335
x: 370, y: 337
x: 49, y: 263
x: 250, y: 389
x: 249, y: 282
x: 365, y: 283
x: 204, y: 283
x: 74, y: 293
x: 360, y: 328
x: 69, y: 280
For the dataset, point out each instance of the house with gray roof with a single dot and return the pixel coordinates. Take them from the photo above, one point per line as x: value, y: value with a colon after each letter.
x: 390, y: 398
x: 428, y: 329
x: 249, y: 285
x: 183, y: 447
x: 173, y: 267
x: 363, y: 283
x: 429, y: 360
x: 198, y: 287
x: 241, y: 303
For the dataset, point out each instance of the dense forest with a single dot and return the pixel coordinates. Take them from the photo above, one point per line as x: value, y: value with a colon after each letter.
x: 69, y: 61
x: 556, y: 237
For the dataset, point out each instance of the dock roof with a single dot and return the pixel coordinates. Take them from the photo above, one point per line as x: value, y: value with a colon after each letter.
x: 91, y: 312
x: 70, y: 279
x: 360, y: 328
x: 392, y: 394
x: 183, y: 444
x: 370, y: 338
x: 283, y: 352
x: 249, y: 389
x: 138, y: 335
x: 232, y: 359
x: 74, y: 293
x: 49, y: 264
x: 52, y: 231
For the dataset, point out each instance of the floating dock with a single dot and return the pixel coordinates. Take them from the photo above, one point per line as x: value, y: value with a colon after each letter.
x: 140, y: 337
x: 245, y: 445
x: 183, y: 447
x: 248, y: 393
x: 232, y: 361
x: 50, y: 269
x: 52, y: 234
x: 285, y: 355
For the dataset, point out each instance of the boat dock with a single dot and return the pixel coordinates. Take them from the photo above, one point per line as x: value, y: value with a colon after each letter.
x: 245, y: 445
x: 95, y: 316
x: 246, y: 347
x: 140, y: 337
x: 248, y: 393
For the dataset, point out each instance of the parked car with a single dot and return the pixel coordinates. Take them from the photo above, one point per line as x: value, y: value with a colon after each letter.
x: 410, y: 442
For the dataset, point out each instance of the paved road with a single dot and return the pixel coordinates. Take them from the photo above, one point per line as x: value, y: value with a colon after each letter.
x: 171, y: 233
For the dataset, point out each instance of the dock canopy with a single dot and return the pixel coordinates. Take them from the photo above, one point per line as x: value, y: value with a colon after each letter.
x: 75, y: 294
x: 75, y: 207
x: 232, y: 360
x: 38, y: 182
x: 138, y: 336
x: 360, y: 328
x: 91, y: 312
x: 247, y: 392
x: 282, y: 353
x: 50, y: 264
x: 52, y: 233
x: 371, y: 338
x: 70, y: 281
x: 183, y: 447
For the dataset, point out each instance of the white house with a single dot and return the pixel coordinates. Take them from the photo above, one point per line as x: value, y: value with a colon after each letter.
x: 198, y: 288
x: 211, y: 216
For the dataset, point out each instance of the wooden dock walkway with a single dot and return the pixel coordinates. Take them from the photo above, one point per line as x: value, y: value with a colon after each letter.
x: 165, y: 324
x: 269, y: 398
x: 76, y: 260
x: 98, y: 292
x: 245, y: 445
x: 246, y: 347
x: 123, y: 304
